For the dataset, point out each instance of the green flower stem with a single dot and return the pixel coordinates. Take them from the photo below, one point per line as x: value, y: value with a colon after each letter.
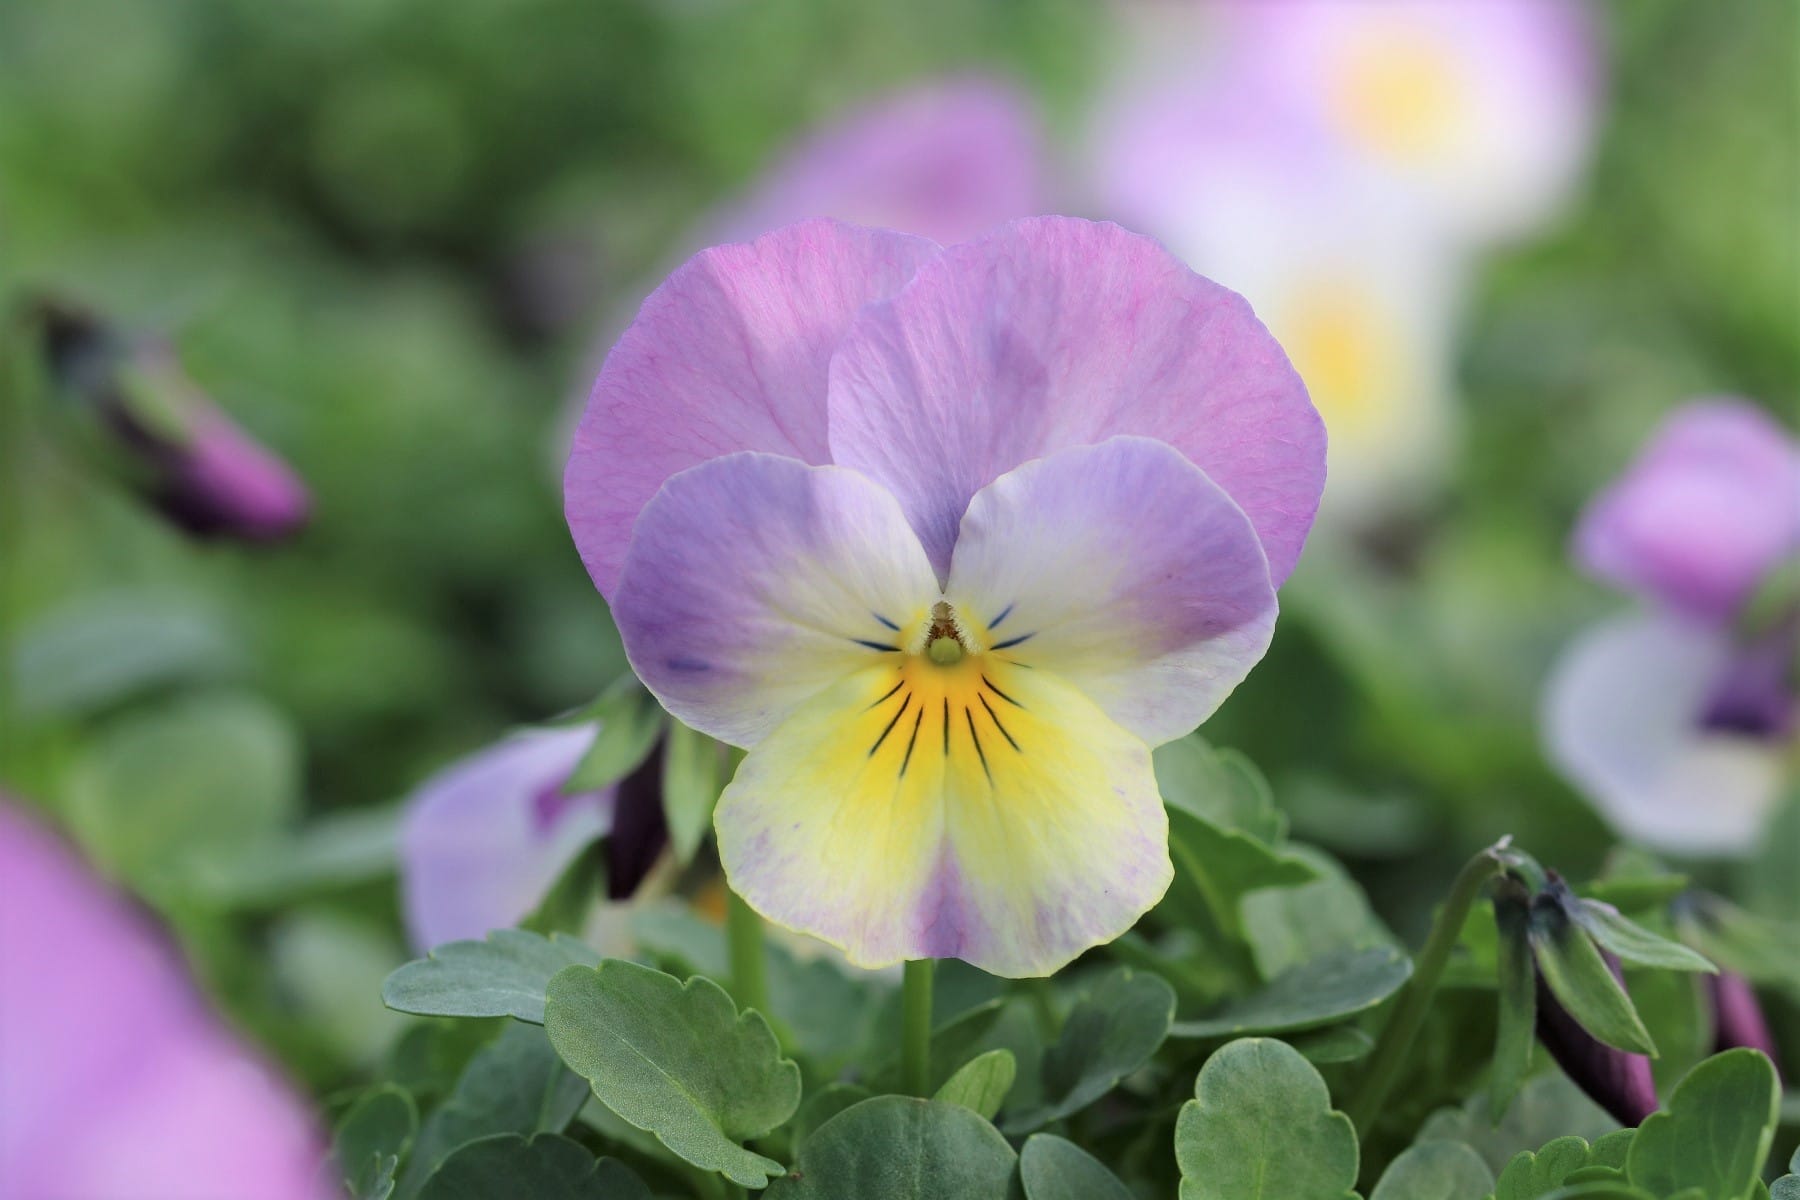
x: 915, y: 1027
x: 1402, y: 1029
x: 749, y: 961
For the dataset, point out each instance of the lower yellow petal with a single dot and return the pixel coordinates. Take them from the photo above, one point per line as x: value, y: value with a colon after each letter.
x: 979, y: 810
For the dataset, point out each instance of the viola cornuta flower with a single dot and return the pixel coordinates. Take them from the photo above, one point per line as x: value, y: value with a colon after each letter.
x: 948, y: 539
x: 116, y: 1080
x: 1681, y: 722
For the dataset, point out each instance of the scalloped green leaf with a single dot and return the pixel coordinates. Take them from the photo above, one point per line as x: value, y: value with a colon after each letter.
x: 1322, y: 992
x: 503, y: 976
x: 1531, y: 1176
x: 546, y: 1167
x: 981, y: 1084
x: 900, y: 1148
x: 675, y: 1059
x: 1438, y: 1170
x: 1261, y: 1127
x: 1715, y: 1133
x: 1053, y: 1168
x: 1114, y: 1029
x: 372, y: 1138
x: 514, y: 1084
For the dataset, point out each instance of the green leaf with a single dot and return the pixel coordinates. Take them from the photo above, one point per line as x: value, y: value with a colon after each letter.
x: 1322, y: 992
x: 570, y: 900
x: 1715, y: 1133
x: 1531, y: 1176
x: 1289, y: 926
x: 1547, y: 1107
x: 1113, y: 1030
x: 981, y: 1084
x: 824, y: 1104
x: 1261, y: 1127
x: 1771, y: 886
x: 691, y: 784
x: 546, y: 1167
x: 504, y: 976
x: 1631, y: 943
x: 372, y: 1138
x: 1788, y: 1186
x: 1333, y: 1044
x: 899, y: 1148
x: 514, y: 1084
x: 1744, y: 943
x: 677, y: 1060
x: 1580, y: 979
x: 1216, y: 867
x: 1219, y: 786
x: 1608, y: 1190
x: 198, y: 776
x: 630, y: 722
x: 826, y: 1014
x: 1676, y: 1007
x: 332, y: 853
x: 1053, y: 1168
x: 1516, y: 1030
x: 1435, y: 1171
x: 97, y: 650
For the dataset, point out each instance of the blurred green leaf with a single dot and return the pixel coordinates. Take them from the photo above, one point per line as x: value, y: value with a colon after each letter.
x: 899, y: 1148
x: 1321, y: 992
x: 1114, y: 1029
x: 1215, y: 867
x: 201, y: 775
x: 1714, y: 1134
x: 676, y: 1059
x: 1261, y: 1127
x: 1533, y: 1175
x: 1053, y: 1168
x: 545, y: 1167
x: 336, y: 851
x: 1333, y: 1044
x: 1439, y: 1170
x: 504, y: 976
x: 1289, y: 926
x: 822, y: 1105
x: 1220, y: 786
x: 981, y: 1084
x: 98, y: 650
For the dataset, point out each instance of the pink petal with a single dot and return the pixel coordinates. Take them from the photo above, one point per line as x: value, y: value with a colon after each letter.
x: 755, y: 581
x: 729, y: 354
x: 485, y: 838
x: 1123, y: 569
x: 1056, y: 332
x: 1708, y: 509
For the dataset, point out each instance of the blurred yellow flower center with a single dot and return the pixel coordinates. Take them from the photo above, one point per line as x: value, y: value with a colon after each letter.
x: 1344, y: 353
x: 1398, y: 93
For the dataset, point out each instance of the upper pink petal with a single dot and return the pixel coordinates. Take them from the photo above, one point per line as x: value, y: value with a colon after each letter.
x: 1055, y: 332
x: 729, y: 354
x: 1708, y: 509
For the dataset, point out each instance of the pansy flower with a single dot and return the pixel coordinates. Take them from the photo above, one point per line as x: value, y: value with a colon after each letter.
x: 116, y: 1081
x: 1682, y: 722
x: 948, y: 539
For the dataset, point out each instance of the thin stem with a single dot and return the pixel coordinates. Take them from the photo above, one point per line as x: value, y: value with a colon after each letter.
x: 749, y: 961
x: 1402, y: 1029
x: 915, y: 1027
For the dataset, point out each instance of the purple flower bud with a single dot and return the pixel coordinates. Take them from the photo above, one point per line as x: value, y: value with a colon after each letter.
x: 167, y: 438
x: 640, y: 828
x: 1618, y: 1081
x: 1738, y: 1018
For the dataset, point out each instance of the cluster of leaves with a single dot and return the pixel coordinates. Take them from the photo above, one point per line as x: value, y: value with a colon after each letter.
x: 1202, y: 1059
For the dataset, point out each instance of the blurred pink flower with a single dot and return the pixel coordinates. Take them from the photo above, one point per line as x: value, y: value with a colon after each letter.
x: 196, y: 465
x: 945, y: 160
x: 116, y: 1082
x: 1681, y: 723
